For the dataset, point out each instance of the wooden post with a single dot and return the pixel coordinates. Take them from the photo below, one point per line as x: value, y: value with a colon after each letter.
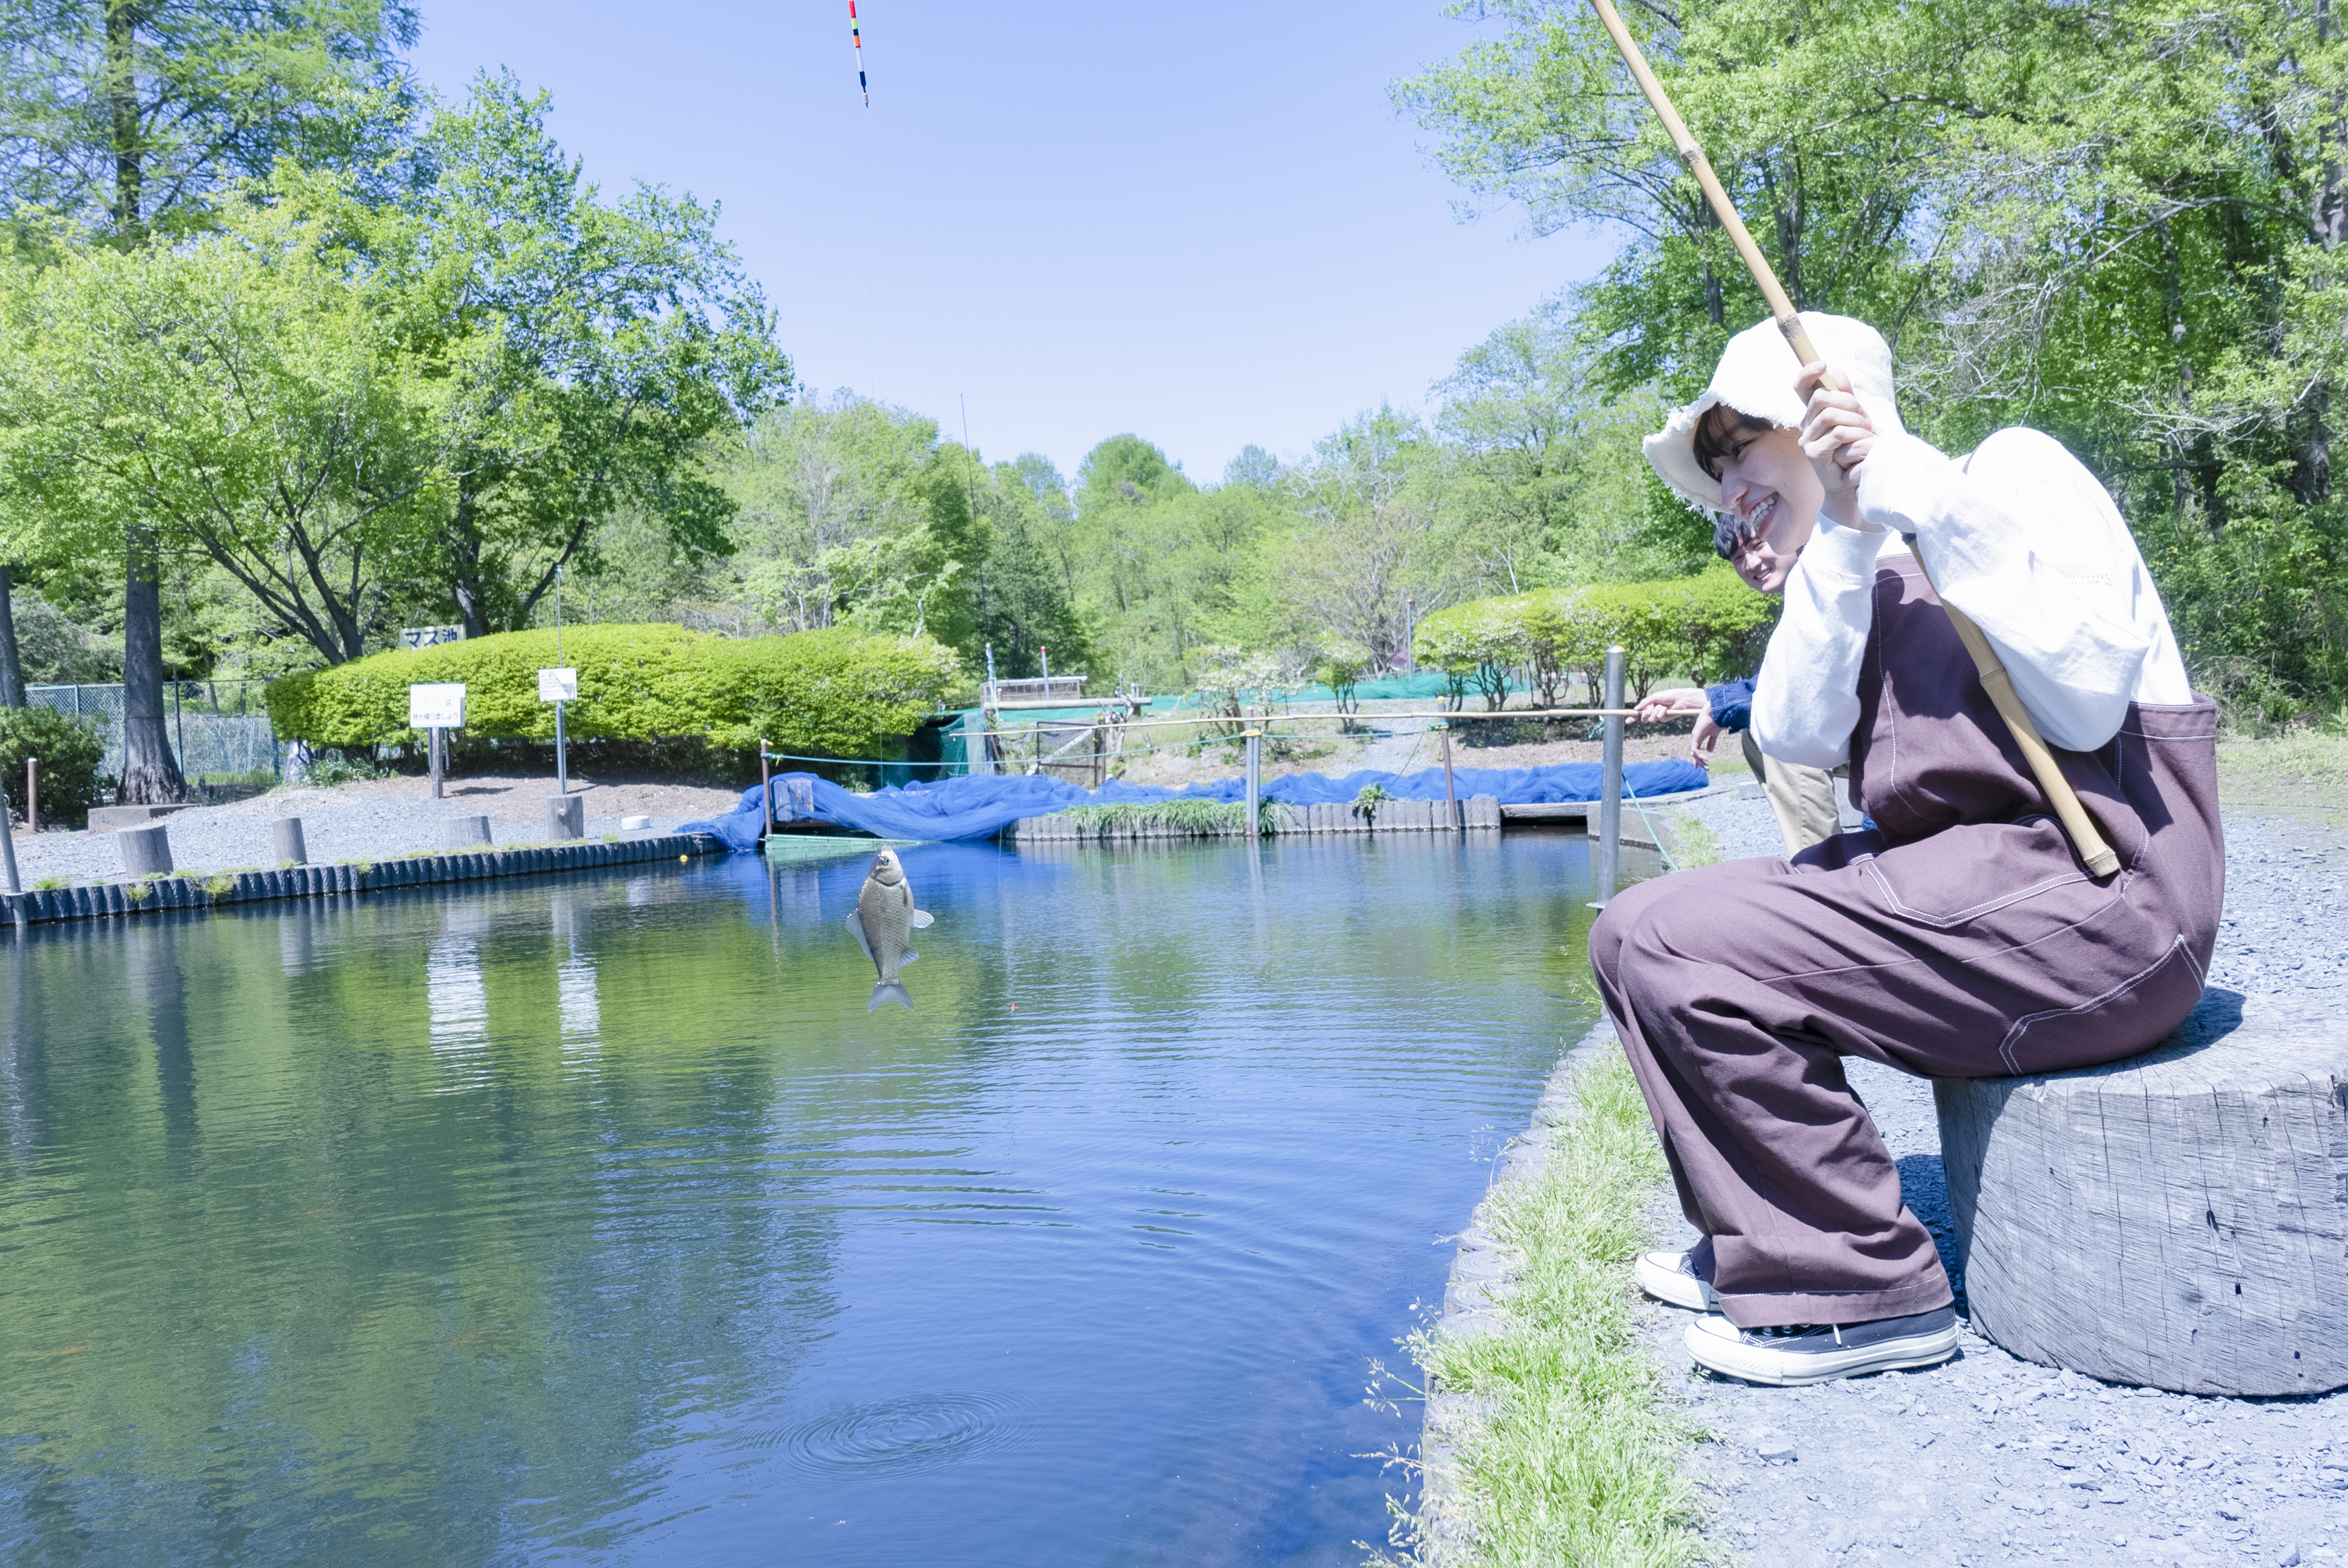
x: 435, y: 747
x: 1610, y: 785
x: 765, y: 791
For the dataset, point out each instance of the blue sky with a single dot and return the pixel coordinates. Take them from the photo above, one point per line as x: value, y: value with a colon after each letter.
x: 1200, y: 221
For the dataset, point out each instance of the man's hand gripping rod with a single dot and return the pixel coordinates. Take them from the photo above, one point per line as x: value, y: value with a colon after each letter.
x: 2101, y: 861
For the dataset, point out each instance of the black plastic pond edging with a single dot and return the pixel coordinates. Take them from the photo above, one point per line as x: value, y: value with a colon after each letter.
x: 194, y: 892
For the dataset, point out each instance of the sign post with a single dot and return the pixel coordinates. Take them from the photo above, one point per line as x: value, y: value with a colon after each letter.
x: 436, y: 706
x: 558, y: 687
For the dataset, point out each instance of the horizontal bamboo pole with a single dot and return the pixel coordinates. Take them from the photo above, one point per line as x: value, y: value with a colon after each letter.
x: 1290, y: 718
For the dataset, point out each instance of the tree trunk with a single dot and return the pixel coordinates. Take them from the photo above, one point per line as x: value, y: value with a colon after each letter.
x: 12, y: 669
x: 464, y: 564
x: 122, y: 113
x: 150, y: 774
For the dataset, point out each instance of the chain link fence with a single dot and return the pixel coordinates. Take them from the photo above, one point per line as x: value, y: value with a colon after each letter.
x: 219, y: 729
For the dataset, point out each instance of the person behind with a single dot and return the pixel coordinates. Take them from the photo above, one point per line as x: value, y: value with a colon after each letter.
x: 1960, y: 936
x: 1803, y: 799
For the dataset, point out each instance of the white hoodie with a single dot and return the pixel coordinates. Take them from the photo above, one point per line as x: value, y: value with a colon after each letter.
x: 2022, y: 538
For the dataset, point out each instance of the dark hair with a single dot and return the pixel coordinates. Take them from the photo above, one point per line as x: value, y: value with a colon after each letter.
x: 1716, y: 433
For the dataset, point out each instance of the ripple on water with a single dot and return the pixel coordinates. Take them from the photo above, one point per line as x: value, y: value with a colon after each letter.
x: 915, y: 1431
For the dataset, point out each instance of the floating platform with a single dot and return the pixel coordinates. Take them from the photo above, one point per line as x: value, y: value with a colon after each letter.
x: 798, y: 846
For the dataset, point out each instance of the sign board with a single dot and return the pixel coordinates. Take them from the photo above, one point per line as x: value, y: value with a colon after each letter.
x: 436, y: 705
x: 429, y: 636
x: 558, y: 685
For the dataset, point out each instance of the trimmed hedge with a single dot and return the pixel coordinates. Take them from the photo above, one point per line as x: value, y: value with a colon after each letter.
x: 1710, y: 626
x: 836, y: 691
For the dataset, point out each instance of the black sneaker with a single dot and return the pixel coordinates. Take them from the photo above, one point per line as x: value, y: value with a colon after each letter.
x: 1810, y: 1353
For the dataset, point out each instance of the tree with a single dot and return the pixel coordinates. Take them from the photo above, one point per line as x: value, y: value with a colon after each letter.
x: 593, y: 350
x: 241, y: 395
x: 125, y: 116
x: 1371, y: 533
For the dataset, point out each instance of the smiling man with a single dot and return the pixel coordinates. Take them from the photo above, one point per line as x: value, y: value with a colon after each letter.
x: 1961, y: 936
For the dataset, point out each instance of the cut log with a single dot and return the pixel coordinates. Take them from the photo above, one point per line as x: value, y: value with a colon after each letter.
x: 2178, y: 1220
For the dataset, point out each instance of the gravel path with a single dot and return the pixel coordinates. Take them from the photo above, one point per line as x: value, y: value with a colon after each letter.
x: 1990, y: 1459
x: 367, y: 821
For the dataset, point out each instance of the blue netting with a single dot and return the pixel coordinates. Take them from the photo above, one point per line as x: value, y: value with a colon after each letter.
x: 982, y: 805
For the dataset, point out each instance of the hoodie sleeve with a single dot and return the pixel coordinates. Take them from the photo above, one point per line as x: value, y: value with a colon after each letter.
x: 2023, y: 539
x: 1805, y: 699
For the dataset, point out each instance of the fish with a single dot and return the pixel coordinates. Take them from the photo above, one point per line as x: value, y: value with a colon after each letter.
x: 883, y: 920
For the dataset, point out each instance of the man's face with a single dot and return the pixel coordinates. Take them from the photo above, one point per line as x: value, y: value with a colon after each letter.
x: 1774, y: 494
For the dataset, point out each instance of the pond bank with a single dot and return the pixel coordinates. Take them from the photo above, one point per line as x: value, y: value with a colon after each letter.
x: 107, y: 900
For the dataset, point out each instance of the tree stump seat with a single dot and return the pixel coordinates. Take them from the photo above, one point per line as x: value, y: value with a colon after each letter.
x: 2178, y: 1220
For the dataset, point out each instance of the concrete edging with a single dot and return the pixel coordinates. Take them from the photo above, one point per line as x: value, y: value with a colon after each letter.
x: 192, y: 891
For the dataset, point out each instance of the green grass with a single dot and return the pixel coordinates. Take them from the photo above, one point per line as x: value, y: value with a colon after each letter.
x: 1578, y: 1465
x: 1205, y: 818
x: 2301, y: 774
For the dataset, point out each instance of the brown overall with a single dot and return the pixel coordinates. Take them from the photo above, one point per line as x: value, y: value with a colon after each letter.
x: 1961, y: 939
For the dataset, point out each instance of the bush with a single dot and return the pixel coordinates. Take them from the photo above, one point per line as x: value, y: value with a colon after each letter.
x: 837, y: 690
x: 70, y: 749
x: 1710, y: 627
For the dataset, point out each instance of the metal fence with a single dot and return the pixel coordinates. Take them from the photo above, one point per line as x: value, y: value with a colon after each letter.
x: 219, y: 729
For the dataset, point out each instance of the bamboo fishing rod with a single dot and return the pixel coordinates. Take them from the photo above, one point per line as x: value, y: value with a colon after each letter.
x: 2085, y: 835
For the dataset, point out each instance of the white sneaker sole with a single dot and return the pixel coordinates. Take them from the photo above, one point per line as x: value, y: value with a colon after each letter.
x: 1714, y: 1344
x: 1658, y: 1274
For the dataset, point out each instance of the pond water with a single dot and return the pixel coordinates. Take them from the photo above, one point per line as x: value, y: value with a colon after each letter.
x: 595, y: 1219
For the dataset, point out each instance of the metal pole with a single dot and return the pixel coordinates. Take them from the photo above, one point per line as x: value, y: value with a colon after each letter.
x: 1610, y: 788
x: 562, y: 755
x: 1451, y: 796
x: 435, y: 749
x: 1254, y: 780
x: 765, y: 789
x: 8, y: 844
x: 1410, y: 636
x: 32, y: 795
x: 1044, y: 655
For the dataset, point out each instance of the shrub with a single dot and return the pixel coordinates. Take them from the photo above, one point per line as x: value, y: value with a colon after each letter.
x: 70, y: 749
x: 1710, y: 627
x: 839, y: 690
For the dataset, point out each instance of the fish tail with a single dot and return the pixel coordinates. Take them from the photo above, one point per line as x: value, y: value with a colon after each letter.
x: 890, y: 991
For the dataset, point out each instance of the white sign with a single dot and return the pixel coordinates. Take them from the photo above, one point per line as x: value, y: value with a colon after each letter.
x: 558, y: 685
x: 436, y: 705
x: 429, y: 636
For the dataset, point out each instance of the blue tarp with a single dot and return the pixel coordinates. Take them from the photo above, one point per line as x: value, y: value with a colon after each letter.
x: 982, y: 805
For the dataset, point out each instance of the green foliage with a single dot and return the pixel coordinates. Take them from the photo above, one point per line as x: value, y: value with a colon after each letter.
x: 1202, y: 818
x: 71, y: 750
x: 1367, y: 799
x: 1709, y: 627
x: 1574, y: 1459
x: 2121, y: 228
x: 837, y: 690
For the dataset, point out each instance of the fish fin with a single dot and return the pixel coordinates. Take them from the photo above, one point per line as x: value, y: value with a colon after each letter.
x: 923, y: 917
x: 889, y: 991
x: 856, y: 930
x: 909, y: 957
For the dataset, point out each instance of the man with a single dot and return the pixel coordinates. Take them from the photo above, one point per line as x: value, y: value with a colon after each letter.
x: 1962, y: 936
x: 1803, y: 799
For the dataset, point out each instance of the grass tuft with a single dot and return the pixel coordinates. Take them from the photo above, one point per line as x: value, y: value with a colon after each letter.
x: 1576, y: 1464
x: 1204, y: 818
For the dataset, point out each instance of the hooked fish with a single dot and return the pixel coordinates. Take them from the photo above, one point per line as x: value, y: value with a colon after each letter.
x: 883, y: 920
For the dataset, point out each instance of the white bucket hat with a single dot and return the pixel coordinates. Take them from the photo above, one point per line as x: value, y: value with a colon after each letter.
x: 1756, y: 377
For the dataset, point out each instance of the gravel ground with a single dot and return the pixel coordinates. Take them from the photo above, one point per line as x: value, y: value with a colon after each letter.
x: 1989, y: 1458
x: 374, y: 820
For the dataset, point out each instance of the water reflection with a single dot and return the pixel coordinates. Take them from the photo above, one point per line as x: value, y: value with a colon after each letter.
x: 597, y: 1220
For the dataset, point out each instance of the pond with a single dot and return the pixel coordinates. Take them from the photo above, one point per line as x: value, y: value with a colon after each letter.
x: 595, y: 1220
